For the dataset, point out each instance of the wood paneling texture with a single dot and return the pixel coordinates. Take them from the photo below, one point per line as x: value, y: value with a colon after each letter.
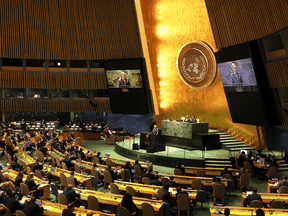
x: 69, y: 29
x: 53, y: 106
x: 43, y: 80
x: 235, y: 22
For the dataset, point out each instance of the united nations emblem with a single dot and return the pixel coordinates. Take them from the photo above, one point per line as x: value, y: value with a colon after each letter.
x: 196, y: 64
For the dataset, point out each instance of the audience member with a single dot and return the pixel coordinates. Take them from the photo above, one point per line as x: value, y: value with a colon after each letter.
x: 12, y: 203
x: 68, y: 211
x: 284, y: 182
x: 179, y: 191
x: 253, y: 196
x: 227, y: 212
x: 149, y: 174
x: 163, y: 192
x: 128, y: 203
x: 171, y: 183
x: 260, y: 212
x: 18, y: 180
x: 31, y: 208
x: 156, y: 181
x: 226, y: 171
x: 68, y: 162
x: 71, y: 195
x: 113, y: 174
x: 74, y: 179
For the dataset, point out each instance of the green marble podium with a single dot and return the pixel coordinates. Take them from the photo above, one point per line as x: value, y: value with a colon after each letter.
x: 185, y: 130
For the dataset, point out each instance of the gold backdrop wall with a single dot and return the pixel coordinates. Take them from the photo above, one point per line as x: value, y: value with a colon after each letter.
x: 169, y: 25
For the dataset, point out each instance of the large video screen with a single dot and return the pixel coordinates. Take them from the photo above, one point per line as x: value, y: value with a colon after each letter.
x: 124, y: 78
x: 238, y: 76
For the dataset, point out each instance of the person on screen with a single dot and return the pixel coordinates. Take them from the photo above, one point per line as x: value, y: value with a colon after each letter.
x: 187, y: 119
x: 236, y: 77
x: 155, y: 131
x: 124, y: 81
x: 194, y: 120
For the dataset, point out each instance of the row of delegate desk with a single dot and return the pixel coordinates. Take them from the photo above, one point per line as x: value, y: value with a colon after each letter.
x: 244, y: 211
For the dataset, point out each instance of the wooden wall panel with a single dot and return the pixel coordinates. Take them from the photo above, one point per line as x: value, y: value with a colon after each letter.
x: 234, y: 22
x: 69, y: 29
x: 53, y: 106
x: 277, y: 72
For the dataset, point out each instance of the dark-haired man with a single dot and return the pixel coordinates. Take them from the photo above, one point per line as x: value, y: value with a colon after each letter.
x: 284, y: 182
x: 70, y: 194
x: 68, y: 211
x: 31, y: 208
x: 253, y: 196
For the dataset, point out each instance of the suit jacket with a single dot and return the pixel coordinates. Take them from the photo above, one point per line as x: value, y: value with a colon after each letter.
x: 170, y: 184
x: 68, y: 163
x: 156, y: 182
x: 283, y: 183
x: 31, y: 184
x: 7, y: 191
x: 113, y: 174
x: 67, y: 212
x: 70, y: 194
x: 223, y: 172
x: 150, y: 176
x: 12, y: 204
x: 36, y: 166
x: 75, y: 180
x: 30, y: 208
x: 253, y: 196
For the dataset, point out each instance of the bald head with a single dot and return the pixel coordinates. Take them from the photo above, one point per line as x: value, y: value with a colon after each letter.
x: 89, y: 213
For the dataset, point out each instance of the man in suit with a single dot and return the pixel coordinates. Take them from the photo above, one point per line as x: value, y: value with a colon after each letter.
x: 187, y: 119
x: 99, y: 157
x: 12, y: 204
x: 31, y: 184
x: 284, y: 182
x: 113, y: 174
x: 253, y: 196
x: 155, y: 131
x: 194, y: 120
x: 124, y: 81
x: 149, y: 174
x: 71, y: 195
x: 273, y: 161
x: 163, y: 192
x: 242, y: 158
x: 31, y: 208
x: 171, y: 183
x: 226, y: 171
x: 68, y: 211
x: 68, y: 162
x: 74, y: 179
x: 156, y: 181
x: 36, y: 166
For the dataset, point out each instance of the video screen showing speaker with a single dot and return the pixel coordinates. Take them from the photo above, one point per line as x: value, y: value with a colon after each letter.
x: 126, y: 85
x: 246, y: 85
x: 124, y: 78
x: 238, y: 76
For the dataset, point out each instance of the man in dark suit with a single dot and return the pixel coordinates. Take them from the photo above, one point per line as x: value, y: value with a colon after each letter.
x: 155, y: 131
x: 71, y: 195
x: 156, y: 181
x: 31, y: 184
x: 284, y: 182
x: 74, y: 179
x: 242, y: 158
x: 36, y: 166
x: 149, y: 174
x: 68, y: 162
x: 273, y: 161
x: 124, y: 81
x: 99, y: 157
x: 163, y: 192
x: 6, y: 189
x: 171, y: 183
x: 187, y: 119
x: 12, y: 204
x: 113, y: 174
x: 194, y: 120
x: 68, y: 211
x: 226, y: 171
x: 31, y: 208
x: 253, y: 196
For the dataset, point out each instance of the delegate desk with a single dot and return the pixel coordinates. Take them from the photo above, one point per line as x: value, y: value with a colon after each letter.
x: 153, y: 189
x: 210, y: 171
x: 187, y: 180
x: 85, y: 135
x: 55, y: 209
x: 268, y: 197
x: 272, y: 186
x: 245, y: 211
x: 122, y: 161
x: 43, y: 186
x: 115, y: 199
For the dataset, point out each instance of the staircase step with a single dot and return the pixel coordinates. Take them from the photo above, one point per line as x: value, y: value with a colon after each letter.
x: 231, y: 141
x: 236, y: 146
x: 227, y: 138
x: 235, y: 149
x: 283, y: 165
x: 225, y: 135
x: 218, y: 165
x: 283, y: 168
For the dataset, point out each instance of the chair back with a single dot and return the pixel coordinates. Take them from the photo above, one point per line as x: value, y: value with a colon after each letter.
x: 38, y: 174
x: 24, y: 189
x: 79, y: 156
x: 7, y: 213
x: 58, y: 163
x: 114, y: 188
x: 53, y: 160
x: 77, y: 168
x: 96, y: 160
x: 64, y: 166
x: 201, y: 196
x: 62, y: 199
x: 12, y: 187
x: 54, y: 189
x: 95, y: 173
x: 20, y: 213
x: 227, y: 176
x: 107, y: 177
x: 197, y: 184
x: 9, y: 158
x: 29, y: 170
x: 277, y: 204
x: 200, y: 173
x: 40, y: 156
x: 94, y: 182
x: 183, y: 202
x: 283, y: 189
x: 147, y: 210
x: 2, y: 178
x: 164, y: 181
x: 138, y: 171
x: 164, y: 210
x: 256, y: 204
x: 245, y: 180
x: 247, y: 165
x: 93, y: 203
x: 122, y: 211
x: 63, y: 180
x: 109, y: 162
x: 272, y: 172
x: 70, y: 181
x: 177, y: 172
x: 130, y: 190
x: 219, y: 191
x: 128, y: 174
x: 146, y: 180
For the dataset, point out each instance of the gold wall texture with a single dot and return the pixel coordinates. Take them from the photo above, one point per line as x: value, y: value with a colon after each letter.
x: 169, y: 25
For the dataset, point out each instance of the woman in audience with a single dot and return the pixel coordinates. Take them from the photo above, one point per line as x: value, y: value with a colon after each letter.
x: 128, y: 203
x: 18, y: 180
